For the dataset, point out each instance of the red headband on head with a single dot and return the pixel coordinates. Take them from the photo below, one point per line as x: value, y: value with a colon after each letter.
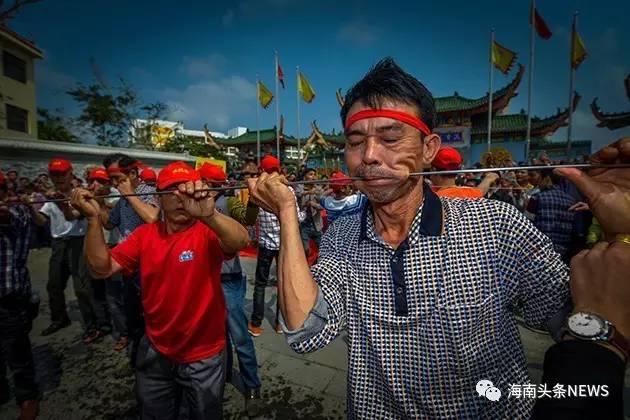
x: 413, y: 121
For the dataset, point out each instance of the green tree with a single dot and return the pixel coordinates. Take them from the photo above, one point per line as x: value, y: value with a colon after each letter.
x: 110, y: 114
x: 52, y: 126
x: 106, y: 114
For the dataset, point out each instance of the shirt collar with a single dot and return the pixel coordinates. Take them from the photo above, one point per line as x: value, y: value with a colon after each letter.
x: 430, y: 223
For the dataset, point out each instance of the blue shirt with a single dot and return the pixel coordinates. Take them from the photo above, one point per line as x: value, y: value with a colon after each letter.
x: 347, y: 206
x: 124, y: 216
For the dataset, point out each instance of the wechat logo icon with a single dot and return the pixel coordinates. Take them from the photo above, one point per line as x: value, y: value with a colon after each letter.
x: 486, y: 388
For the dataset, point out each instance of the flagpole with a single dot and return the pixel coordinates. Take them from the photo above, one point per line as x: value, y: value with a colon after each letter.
x: 571, y: 83
x: 257, y: 120
x: 277, y: 112
x: 490, y: 92
x: 532, y: 40
x: 297, y: 96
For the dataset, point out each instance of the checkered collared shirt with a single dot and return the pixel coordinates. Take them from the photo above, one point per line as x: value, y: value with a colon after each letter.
x: 553, y: 217
x: 270, y: 227
x: 14, y: 247
x: 124, y: 216
x: 428, y: 320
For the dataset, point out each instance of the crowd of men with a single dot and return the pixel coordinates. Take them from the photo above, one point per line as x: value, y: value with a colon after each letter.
x: 423, y: 283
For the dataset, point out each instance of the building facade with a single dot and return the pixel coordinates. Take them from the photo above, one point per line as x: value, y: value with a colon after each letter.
x: 18, y: 105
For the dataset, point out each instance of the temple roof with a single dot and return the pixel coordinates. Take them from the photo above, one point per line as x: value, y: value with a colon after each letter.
x: 455, y: 102
x: 612, y: 121
x: 513, y: 123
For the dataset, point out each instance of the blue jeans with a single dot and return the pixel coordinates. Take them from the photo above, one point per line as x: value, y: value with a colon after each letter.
x: 234, y: 289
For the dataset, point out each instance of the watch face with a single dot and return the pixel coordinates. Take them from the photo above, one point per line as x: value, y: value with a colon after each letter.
x: 586, y: 325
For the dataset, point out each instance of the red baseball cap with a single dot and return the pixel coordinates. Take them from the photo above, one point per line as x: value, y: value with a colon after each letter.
x: 338, y: 180
x: 270, y: 164
x: 148, y: 175
x: 176, y: 173
x: 212, y: 173
x: 3, y: 179
x: 447, y: 159
x: 59, y: 165
x: 98, y: 173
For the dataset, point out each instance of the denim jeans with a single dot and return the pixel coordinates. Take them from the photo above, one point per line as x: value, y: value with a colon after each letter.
x: 115, y: 300
x: 234, y: 289
x: 263, y: 265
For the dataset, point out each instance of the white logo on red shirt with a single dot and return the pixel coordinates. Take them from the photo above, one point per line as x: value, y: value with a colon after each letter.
x: 186, y: 256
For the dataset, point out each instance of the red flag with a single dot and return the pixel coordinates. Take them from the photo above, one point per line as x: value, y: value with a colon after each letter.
x: 541, y: 27
x: 280, y: 75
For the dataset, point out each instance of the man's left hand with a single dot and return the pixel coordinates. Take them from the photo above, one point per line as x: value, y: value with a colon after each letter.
x: 607, y: 190
x: 197, y: 202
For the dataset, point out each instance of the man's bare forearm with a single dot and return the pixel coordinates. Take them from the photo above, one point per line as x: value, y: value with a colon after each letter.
x: 297, y: 290
x: 147, y: 212
x: 232, y: 235
x: 96, y: 250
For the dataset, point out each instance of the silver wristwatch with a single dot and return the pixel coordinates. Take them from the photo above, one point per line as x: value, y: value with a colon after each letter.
x: 592, y: 327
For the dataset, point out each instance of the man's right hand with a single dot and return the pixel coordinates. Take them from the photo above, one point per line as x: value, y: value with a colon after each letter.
x: 124, y: 186
x: 271, y: 192
x: 83, y: 200
x: 600, y: 283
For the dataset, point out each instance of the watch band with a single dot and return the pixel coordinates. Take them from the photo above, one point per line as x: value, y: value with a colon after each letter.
x: 619, y: 341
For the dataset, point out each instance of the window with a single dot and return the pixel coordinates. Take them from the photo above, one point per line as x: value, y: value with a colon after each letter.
x: 17, y: 119
x: 14, y: 67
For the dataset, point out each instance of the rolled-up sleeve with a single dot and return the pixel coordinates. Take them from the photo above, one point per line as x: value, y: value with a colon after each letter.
x: 328, y: 317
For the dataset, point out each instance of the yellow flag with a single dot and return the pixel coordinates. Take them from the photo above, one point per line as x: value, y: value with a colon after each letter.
x: 305, y: 89
x: 578, y: 50
x: 502, y: 58
x: 264, y: 95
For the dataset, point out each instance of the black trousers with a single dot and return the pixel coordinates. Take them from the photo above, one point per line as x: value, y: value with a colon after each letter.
x: 263, y: 265
x: 67, y: 260
x: 133, y: 312
x: 165, y: 389
x: 15, y: 324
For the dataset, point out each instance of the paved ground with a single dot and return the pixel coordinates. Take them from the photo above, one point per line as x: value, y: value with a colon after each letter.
x: 94, y: 382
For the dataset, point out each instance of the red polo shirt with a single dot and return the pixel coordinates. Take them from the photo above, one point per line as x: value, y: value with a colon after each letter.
x: 182, y: 298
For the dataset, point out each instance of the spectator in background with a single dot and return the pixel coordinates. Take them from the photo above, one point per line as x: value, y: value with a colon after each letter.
x: 551, y: 213
x: 128, y: 214
x: 311, y: 227
x: 148, y: 176
x: 15, y: 295
x: 341, y: 203
x: 449, y: 159
x: 268, y: 247
x: 67, y: 228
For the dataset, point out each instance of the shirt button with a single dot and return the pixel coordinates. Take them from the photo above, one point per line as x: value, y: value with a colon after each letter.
x: 399, y: 290
x: 395, y: 259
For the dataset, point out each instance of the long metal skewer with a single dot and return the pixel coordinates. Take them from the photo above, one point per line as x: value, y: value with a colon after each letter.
x: 412, y: 174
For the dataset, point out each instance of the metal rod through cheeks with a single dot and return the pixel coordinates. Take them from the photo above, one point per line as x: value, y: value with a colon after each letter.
x: 412, y: 174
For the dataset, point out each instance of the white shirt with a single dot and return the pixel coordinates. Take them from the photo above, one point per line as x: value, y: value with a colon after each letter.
x: 59, y: 226
x: 270, y: 227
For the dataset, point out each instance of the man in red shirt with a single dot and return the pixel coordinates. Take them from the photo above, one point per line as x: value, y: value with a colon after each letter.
x: 182, y: 355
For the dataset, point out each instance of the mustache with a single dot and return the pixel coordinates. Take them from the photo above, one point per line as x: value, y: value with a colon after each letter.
x: 365, y: 171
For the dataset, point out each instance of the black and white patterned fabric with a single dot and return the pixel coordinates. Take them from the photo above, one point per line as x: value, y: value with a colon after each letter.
x: 428, y: 320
